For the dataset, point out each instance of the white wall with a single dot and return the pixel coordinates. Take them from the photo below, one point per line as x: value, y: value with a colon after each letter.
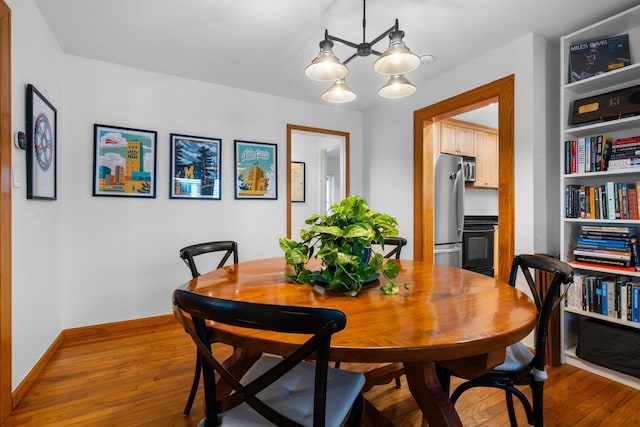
x: 37, y: 248
x: 83, y: 260
x: 389, y: 136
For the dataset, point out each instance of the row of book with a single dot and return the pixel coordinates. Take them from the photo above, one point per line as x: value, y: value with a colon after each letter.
x: 607, y: 247
x: 611, y: 200
x: 613, y: 296
x: 601, y: 153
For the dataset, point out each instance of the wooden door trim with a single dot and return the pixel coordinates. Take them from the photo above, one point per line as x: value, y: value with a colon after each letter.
x: 502, y: 91
x: 347, y: 150
x: 5, y: 211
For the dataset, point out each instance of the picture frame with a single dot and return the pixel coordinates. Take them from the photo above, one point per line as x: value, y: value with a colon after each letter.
x: 42, y: 146
x: 195, y: 170
x: 124, y: 162
x: 255, y: 170
x: 298, y: 179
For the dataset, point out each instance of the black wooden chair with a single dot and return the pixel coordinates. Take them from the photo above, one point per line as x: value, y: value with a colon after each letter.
x: 393, y: 246
x: 522, y: 367
x: 288, y: 391
x: 230, y: 248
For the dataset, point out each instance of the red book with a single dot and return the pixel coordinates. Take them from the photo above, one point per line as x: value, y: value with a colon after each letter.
x: 624, y: 141
x: 574, y: 156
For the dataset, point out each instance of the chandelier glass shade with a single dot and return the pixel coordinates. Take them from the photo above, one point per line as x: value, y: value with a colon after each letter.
x: 326, y: 66
x: 397, y: 87
x: 396, y: 61
x: 338, y: 93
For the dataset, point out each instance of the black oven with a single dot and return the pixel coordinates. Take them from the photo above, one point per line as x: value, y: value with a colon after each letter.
x: 477, y: 244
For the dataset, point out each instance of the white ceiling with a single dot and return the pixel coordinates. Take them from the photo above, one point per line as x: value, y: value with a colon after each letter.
x: 264, y: 45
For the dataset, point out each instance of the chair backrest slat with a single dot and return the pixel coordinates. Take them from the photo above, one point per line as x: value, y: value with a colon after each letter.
x: 397, y: 242
x: 188, y: 253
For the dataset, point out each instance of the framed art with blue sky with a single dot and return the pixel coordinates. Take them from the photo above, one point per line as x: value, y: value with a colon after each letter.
x: 255, y: 170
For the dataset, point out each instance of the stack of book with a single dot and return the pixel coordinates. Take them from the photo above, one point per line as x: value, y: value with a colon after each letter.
x: 625, y: 153
x: 611, y: 200
x: 588, y: 154
x: 607, y: 247
x: 612, y: 296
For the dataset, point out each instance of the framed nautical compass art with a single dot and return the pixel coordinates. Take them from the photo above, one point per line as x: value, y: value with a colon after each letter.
x: 41, y: 146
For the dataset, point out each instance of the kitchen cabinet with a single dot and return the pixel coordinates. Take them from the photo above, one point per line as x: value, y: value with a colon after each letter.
x: 455, y: 138
x: 485, y: 148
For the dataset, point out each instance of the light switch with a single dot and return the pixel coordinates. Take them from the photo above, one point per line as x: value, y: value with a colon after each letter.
x: 16, y: 177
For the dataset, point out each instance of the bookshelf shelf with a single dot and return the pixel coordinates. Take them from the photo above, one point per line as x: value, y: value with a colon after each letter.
x: 626, y: 123
x: 607, y: 173
x: 603, y: 317
x: 627, y: 22
x: 572, y: 359
x: 608, y: 81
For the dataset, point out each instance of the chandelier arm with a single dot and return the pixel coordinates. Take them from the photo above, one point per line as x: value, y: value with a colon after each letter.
x: 383, y: 35
x: 351, y: 58
x: 376, y: 53
x: 342, y: 41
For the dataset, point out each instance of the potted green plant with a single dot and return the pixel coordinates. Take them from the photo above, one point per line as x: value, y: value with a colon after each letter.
x: 342, y: 239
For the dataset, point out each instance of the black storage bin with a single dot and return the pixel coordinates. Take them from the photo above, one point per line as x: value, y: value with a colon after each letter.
x: 610, y: 345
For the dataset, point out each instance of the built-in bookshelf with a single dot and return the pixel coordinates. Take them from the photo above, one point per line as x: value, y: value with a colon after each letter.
x: 600, y: 178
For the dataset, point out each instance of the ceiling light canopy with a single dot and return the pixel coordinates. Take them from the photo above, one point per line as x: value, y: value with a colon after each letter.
x: 396, y: 61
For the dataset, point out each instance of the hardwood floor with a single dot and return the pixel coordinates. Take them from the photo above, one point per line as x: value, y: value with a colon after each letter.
x: 142, y: 377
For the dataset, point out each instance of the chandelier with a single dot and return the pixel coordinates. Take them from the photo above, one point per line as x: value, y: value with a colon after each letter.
x: 395, y: 62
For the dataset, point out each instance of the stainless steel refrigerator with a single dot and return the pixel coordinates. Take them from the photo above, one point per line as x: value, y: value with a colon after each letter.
x: 448, y: 209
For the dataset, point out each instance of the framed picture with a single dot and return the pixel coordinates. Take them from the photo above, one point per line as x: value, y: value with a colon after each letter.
x: 255, y: 170
x: 124, y: 162
x: 42, y: 145
x: 195, y: 167
x: 297, y: 181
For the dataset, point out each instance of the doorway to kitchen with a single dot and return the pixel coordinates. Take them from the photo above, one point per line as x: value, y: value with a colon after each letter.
x: 500, y: 91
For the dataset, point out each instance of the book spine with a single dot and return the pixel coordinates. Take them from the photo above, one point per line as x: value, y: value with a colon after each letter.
x: 567, y: 157
x: 633, y: 201
x: 603, y: 262
x: 607, y: 142
x: 617, y: 243
x: 598, y: 156
x: 622, y: 256
x: 635, y: 301
x: 587, y: 154
x: 611, y: 200
x: 581, y: 155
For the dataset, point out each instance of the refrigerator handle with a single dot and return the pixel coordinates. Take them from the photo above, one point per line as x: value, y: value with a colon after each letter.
x: 447, y: 251
x: 458, y: 185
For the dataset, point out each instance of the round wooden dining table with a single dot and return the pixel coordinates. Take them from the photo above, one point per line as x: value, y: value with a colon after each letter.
x: 455, y: 317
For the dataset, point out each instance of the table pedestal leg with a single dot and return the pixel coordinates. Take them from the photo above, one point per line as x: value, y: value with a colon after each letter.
x: 437, y: 409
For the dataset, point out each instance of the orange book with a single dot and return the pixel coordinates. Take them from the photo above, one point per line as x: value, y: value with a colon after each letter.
x: 632, y: 201
x: 592, y: 203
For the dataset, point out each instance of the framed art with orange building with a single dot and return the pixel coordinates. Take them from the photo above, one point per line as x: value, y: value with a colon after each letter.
x: 255, y: 170
x: 124, y: 162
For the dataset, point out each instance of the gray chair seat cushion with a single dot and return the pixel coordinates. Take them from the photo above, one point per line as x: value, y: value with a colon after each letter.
x: 292, y: 395
x: 517, y: 357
